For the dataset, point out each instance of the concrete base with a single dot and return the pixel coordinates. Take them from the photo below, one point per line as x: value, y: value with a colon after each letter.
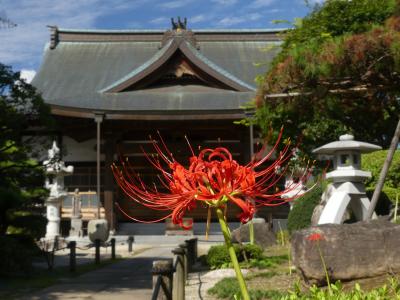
x: 76, y: 227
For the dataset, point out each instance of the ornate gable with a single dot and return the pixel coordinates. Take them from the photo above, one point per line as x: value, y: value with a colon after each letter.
x: 178, y: 63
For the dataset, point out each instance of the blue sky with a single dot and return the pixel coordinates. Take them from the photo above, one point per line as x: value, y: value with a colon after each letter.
x: 22, y: 46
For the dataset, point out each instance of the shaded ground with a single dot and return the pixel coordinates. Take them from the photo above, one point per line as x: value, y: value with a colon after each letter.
x: 127, y: 279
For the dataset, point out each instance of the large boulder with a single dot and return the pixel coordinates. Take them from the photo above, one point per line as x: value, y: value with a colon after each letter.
x: 351, y: 251
x: 263, y: 236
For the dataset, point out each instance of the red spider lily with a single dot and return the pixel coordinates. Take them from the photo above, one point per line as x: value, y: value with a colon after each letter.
x: 213, y: 178
x: 315, y: 237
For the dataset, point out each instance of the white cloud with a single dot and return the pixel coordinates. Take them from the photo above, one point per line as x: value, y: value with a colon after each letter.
x: 158, y: 21
x: 229, y: 21
x: 24, y: 43
x: 234, y: 20
x: 225, y: 2
x: 27, y: 75
x: 312, y: 2
x: 261, y: 3
x: 197, y: 19
x: 175, y: 4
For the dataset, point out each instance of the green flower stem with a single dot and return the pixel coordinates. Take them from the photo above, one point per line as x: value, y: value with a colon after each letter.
x: 324, y: 266
x: 228, y: 243
x: 251, y: 232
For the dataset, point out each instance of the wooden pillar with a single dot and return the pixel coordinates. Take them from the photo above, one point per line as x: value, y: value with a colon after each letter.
x: 109, y: 148
x: 245, y: 144
x: 98, y: 118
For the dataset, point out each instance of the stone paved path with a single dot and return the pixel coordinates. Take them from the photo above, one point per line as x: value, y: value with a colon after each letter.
x: 127, y: 279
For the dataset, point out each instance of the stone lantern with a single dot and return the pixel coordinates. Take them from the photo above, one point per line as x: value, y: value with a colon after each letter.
x: 56, y: 171
x: 347, y: 188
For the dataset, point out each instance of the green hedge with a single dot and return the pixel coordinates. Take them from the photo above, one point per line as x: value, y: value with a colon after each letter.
x: 218, y: 256
x: 373, y: 162
x: 16, y: 252
x: 302, y: 210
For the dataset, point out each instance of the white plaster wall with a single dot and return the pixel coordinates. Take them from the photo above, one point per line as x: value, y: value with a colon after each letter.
x: 75, y: 151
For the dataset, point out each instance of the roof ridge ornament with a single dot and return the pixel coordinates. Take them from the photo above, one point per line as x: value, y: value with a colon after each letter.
x: 53, y: 36
x: 179, y: 25
x: 179, y: 33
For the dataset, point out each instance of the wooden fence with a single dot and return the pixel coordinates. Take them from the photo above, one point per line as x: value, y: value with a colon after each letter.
x: 170, y: 276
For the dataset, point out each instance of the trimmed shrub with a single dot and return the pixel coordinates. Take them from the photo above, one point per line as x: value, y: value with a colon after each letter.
x: 302, y: 210
x: 16, y: 252
x: 253, y: 251
x: 28, y: 224
x: 218, y: 256
x: 374, y: 161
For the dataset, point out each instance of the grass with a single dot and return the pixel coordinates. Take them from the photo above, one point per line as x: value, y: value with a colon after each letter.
x: 269, y: 278
x: 275, y: 282
x: 14, y: 287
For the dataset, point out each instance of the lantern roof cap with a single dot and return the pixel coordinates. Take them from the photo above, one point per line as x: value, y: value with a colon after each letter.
x: 346, y: 142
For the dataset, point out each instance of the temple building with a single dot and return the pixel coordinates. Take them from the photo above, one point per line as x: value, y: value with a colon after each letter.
x: 110, y: 89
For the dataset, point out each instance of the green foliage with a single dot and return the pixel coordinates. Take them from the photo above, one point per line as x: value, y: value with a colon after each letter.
x: 265, y: 262
x: 16, y: 253
x: 218, y: 256
x: 302, y: 210
x: 21, y: 177
x: 339, y: 45
x: 252, y: 251
x: 386, y: 292
x: 228, y: 288
x: 28, y: 224
x: 338, y: 17
x: 374, y: 161
x: 282, y: 237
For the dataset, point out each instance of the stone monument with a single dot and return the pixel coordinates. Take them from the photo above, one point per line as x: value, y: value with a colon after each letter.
x: 55, y: 170
x: 347, y: 189
x: 76, y: 216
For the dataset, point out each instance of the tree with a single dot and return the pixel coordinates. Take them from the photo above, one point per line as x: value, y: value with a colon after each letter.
x: 21, y: 177
x: 338, y: 72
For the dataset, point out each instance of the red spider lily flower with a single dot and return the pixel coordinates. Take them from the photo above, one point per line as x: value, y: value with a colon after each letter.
x: 213, y: 177
x: 315, y: 237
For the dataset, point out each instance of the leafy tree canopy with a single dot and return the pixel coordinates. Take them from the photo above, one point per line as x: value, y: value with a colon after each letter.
x: 340, y: 66
x: 21, y: 177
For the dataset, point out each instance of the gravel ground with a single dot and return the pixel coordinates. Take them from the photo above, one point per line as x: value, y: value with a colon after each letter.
x: 200, y: 281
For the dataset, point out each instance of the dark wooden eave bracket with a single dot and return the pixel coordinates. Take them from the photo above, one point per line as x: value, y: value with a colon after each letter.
x: 178, y: 43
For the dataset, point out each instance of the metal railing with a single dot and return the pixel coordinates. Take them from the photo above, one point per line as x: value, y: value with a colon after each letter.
x: 170, y: 276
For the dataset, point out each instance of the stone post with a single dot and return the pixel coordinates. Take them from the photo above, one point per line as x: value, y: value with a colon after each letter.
x: 185, y: 259
x: 72, y: 256
x: 192, y: 250
x: 97, y: 253
x: 113, y: 248
x: 162, y: 279
x: 130, y: 242
x: 178, y: 291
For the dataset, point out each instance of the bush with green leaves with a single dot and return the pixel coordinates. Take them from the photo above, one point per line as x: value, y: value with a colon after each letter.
x: 218, y: 256
x: 16, y: 252
x: 386, y: 292
x: 302, y: 210
x: 373, y: 162
x: 228, y: 288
